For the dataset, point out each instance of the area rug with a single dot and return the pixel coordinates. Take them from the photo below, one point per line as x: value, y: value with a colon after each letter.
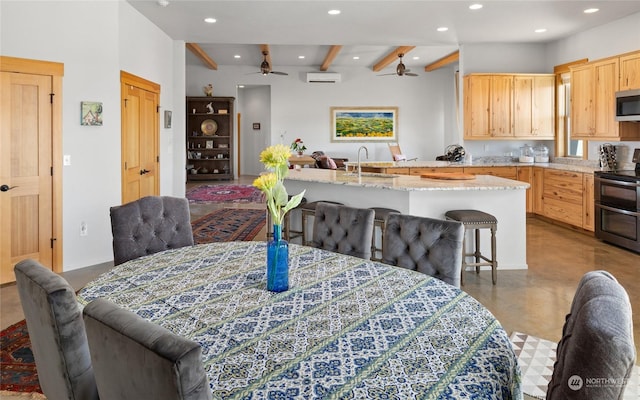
x: 18, y: 368
x: 228, y: 224
x: 536, y: 357
x: 225, y: 194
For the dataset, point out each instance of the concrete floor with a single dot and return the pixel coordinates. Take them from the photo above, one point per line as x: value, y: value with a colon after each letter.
x: 534, y: 301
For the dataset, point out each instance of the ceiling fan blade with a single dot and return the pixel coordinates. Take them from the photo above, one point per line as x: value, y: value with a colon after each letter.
x: 279, y: 73
x: 410, y: 74
x: 393, y: 73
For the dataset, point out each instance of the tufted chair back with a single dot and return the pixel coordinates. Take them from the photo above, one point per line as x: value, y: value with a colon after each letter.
x: 597, y: 342
x: 136, y: 359
x: 57, y: 333
x: 343, y: 229
x: 430, y: 246
x: 149, y: 225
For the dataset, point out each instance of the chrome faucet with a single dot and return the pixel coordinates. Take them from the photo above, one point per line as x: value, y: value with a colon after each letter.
x: 366, y: 155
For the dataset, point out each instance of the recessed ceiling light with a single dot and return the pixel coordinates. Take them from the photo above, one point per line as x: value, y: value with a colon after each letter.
x: 241, y: 86
x: 356, y: 57
x: 236, y: 56
x: 442, y: 29
x: 416, y: 58
x: 334, y: 12
x: 540, y: 30
x: 300, y: 57
x: 210, y: 20
x: 591, y: 10
x: 163, y: 3
x: 475, y: 6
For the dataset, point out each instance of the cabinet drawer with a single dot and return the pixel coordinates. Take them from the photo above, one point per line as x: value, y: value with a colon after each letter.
x: 563, y: 185
x: 425, y: 170
x: 563, y: 211
x: 397, y: 171
x: 503, y: 172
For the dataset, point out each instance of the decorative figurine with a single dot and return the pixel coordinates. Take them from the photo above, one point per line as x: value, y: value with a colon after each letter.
x: 208, y: 90
x: 210, y: 108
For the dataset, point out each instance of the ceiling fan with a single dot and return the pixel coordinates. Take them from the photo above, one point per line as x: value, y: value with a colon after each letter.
x: 265, y: 68
x: 401, y: 70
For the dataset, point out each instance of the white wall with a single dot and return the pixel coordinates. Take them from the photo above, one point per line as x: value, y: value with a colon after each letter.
x: 95, y: 41
x: 300, y: 109
x: 254, y: 104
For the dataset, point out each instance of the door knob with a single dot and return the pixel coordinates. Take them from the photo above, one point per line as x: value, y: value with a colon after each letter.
x: 144, y: 171
x: 6, y: 188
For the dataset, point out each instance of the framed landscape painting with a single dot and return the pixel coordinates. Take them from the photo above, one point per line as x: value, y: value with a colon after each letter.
x: 364, y: 124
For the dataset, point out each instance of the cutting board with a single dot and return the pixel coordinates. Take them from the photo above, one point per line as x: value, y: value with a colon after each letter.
x: 454, y: 176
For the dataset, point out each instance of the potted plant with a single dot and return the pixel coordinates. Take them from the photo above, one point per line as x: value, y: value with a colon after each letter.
x: 298, y: 146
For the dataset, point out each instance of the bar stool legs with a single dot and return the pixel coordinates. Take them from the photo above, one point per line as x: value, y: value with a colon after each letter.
x: 380, y: 221
x: 476, y: 220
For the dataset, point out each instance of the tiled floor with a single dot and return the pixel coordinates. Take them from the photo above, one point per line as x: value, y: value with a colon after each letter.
x: 532, y: 301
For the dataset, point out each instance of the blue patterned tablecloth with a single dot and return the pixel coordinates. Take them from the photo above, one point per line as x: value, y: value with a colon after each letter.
x: 346, y: 328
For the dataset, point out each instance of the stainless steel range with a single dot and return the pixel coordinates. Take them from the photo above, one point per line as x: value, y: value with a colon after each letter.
x: 617, y: 206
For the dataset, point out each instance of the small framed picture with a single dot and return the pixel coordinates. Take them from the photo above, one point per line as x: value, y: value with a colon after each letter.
x: 256, y: 126
x: 209, y: 144
x: 167, y: 119
x: 91, y: 113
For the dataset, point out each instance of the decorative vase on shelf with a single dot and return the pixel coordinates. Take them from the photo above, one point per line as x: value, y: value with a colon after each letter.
x: 300, y: 153
x: 277, y: 262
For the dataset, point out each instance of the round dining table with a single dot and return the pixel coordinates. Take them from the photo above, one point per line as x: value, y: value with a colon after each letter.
x: 347, y: 328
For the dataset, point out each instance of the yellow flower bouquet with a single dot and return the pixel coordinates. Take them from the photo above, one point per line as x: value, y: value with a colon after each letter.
x: 276, y: 161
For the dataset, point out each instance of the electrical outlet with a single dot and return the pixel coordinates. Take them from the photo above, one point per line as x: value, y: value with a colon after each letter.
x: 84, y: 229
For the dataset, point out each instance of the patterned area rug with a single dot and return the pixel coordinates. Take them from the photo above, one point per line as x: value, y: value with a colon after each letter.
x: 18, y: 366
x: 225, y: 194
x: 228, y: 224
x: 536, y: 357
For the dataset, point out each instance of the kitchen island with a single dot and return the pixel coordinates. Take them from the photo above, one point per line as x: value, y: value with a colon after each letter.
x: 504, y: 198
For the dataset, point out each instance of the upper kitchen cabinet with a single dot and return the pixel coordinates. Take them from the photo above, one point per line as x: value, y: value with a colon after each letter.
x: 593, y: 102
x: 593, y: 87
x: 534, y: 106
x: 488, y: 106
x: 630, y: 71
x: 509, y: 106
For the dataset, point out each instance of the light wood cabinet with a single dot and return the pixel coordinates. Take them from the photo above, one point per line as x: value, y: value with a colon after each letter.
x: 588, y: 217
x: 209, y: 138
x: 562, y: 196
x: 534, y: 106
x: 425, y: 170
x: 509, y: 106
x: 525, y: 174
x: 630, y: 71
x: 488, y: 106
x: 538, y: 189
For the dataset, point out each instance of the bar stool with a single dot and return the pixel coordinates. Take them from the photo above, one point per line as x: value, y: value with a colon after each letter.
x: 380, y: 221
x: 307, y: 210
x: 476, y: 220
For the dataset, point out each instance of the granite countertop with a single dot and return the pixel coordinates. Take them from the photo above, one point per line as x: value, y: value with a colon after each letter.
x: 403, y: 182
x: 565, y: 164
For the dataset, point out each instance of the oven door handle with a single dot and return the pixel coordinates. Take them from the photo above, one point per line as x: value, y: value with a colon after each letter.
x: 618, y: 210
x: 616, y: 182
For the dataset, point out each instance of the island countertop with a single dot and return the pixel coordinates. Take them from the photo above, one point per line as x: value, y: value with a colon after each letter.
x: 403, y: 182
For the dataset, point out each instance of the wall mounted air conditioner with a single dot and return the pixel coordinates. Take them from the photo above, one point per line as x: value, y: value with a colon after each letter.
x: 323, y: 77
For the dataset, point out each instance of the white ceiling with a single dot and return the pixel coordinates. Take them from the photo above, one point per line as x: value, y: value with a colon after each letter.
x: 368, y: 29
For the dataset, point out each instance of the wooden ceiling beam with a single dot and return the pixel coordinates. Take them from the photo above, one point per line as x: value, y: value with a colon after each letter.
x: 331, y: 55
x: 202, y: 55
x: 444, y: 61
x: 391, y: 57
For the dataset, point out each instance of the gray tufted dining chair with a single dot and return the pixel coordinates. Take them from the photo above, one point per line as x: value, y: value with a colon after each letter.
x: 597, y: 342
x: 149, y: 225
x: 136, y: 359
x: 343, y: 229
x: 57, y: 333
x: 427, y: 245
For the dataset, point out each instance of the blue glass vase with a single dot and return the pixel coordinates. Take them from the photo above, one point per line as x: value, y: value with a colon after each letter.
x: 277, y: 262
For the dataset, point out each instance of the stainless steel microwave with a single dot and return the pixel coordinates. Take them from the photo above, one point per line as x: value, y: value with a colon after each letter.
x: 628, y: 105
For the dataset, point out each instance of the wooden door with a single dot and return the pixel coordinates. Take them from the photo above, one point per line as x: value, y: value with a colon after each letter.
x: 502, y: 106
x: 630, y: 71
x: 582, y: 92
x: 140, y: 144
x: 26, y: 171
x: 606, y: 85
